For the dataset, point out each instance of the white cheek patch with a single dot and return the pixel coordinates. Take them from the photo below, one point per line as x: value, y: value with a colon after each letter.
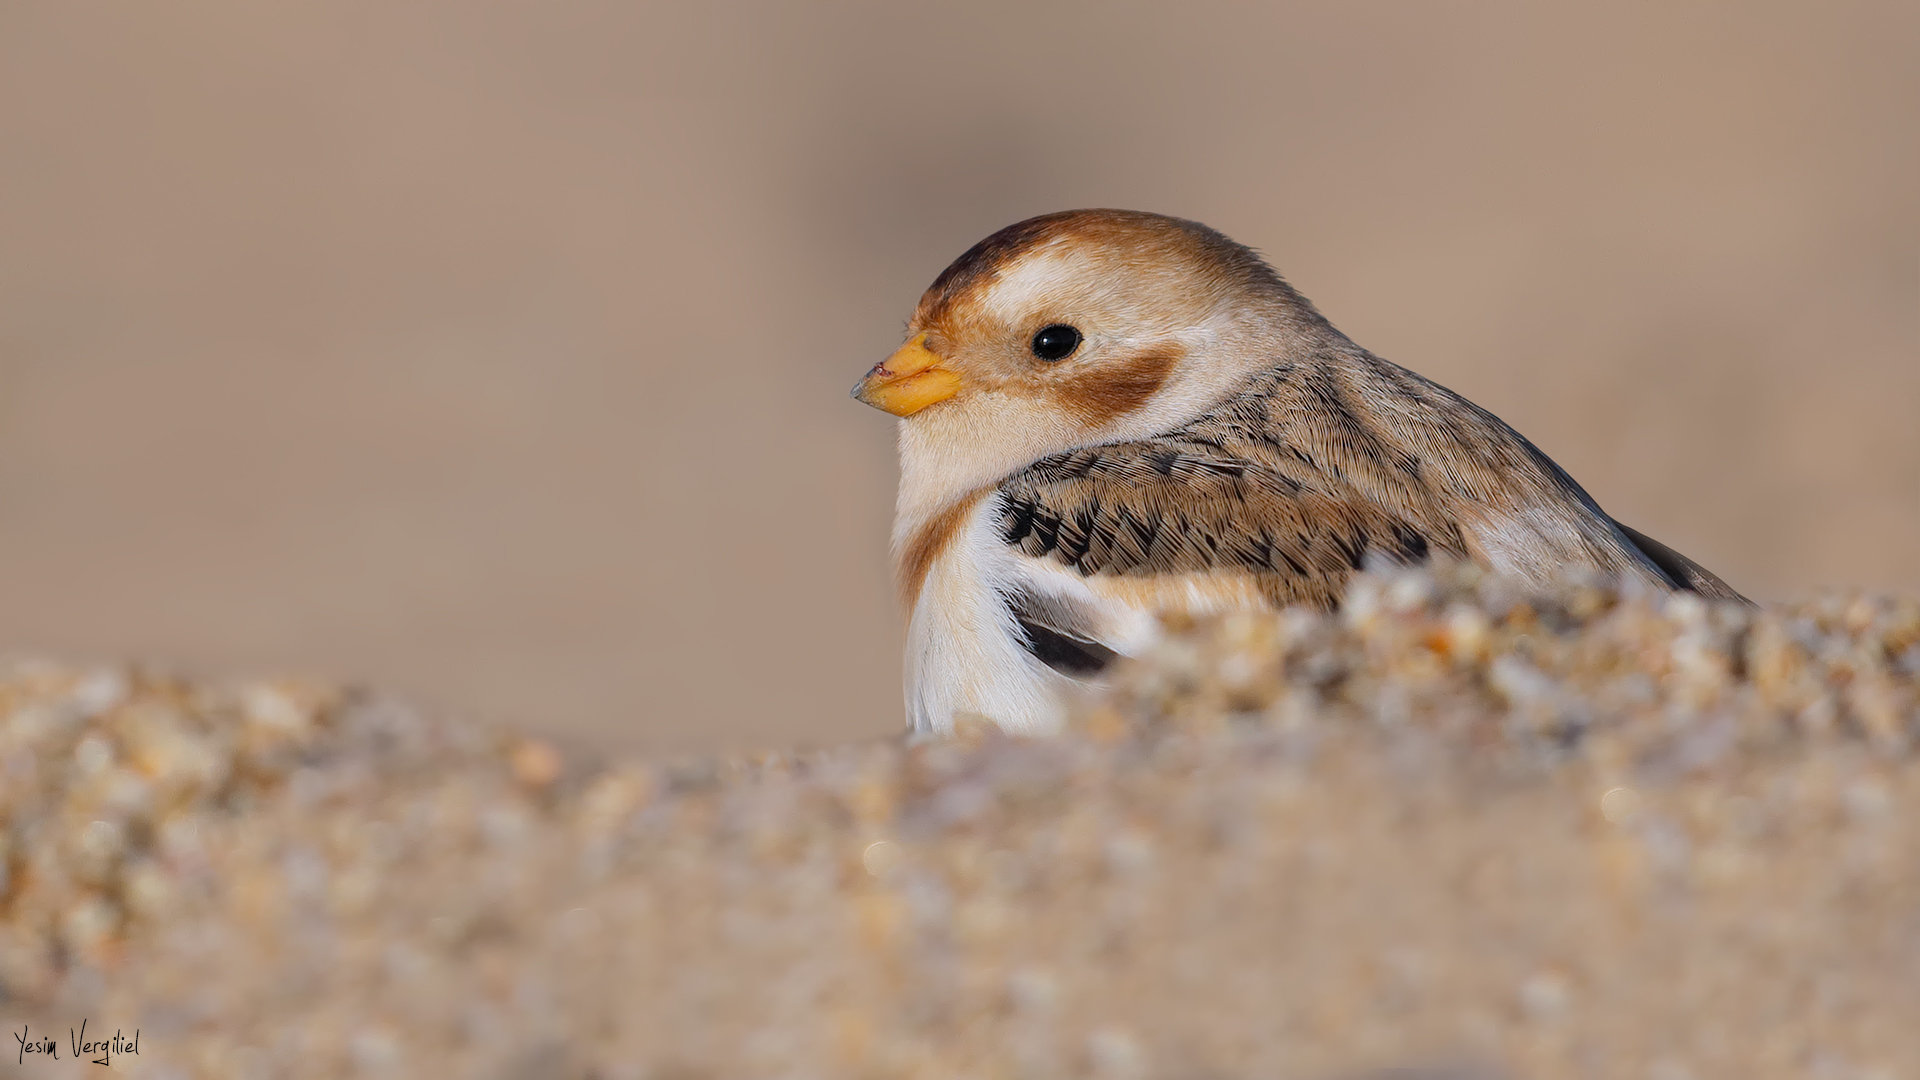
x: 1202, y: 379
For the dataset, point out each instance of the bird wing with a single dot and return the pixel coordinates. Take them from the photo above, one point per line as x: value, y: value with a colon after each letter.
x: 1685, y: 573
x: 1293, y: 484
x: 1177, y: 509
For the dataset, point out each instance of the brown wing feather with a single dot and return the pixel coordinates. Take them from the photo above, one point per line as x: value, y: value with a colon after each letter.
x: 1171, y: 506
x: 1298, y: 479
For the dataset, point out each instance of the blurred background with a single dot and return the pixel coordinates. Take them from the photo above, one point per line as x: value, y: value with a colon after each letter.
x: 497, y: 353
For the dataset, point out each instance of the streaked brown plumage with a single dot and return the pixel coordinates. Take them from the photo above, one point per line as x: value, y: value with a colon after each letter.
x: 1209, y: 441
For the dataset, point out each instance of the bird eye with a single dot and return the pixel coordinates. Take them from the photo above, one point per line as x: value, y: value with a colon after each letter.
x: 1056, y: 342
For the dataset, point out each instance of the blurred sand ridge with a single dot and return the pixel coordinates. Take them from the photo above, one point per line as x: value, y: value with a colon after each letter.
x: 498, y: 354
x: 1550, y: 837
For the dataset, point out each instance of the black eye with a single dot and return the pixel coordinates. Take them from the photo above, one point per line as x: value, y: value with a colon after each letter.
x: 1056, y: 342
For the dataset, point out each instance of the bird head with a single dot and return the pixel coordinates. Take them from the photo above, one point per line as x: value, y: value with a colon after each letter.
x: 1082, y: 327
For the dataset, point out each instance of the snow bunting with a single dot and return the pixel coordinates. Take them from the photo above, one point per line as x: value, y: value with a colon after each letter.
x: 1108, y: 414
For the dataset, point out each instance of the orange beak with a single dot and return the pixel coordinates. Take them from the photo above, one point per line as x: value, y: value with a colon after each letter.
x: 908, y: 381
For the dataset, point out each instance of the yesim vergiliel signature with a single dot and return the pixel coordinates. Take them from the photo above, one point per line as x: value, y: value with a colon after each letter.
x: 82, y: 1046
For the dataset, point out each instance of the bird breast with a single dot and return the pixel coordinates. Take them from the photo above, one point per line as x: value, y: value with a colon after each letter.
x: 1016, y: 639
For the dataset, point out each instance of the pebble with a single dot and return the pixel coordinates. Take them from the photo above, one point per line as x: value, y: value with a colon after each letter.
x: 1457, y: 821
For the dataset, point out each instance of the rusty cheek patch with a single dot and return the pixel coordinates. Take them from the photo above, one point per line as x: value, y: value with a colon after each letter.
x: 1111, y: 391
x: 926, y: 544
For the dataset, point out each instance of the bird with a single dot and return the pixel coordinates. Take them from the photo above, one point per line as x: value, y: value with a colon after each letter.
x: 1108, y: 415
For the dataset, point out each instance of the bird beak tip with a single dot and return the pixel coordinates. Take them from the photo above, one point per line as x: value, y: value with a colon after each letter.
x: 908, y: 381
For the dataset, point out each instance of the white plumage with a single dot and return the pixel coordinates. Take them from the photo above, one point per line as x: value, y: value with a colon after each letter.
x: 1106, y: 415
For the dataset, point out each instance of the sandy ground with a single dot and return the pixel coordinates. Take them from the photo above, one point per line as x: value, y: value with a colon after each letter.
x: 1453, y: 828
x: 497, y: 354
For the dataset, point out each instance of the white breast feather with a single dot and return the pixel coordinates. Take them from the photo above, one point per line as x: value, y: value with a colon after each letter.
x: 965, y: 651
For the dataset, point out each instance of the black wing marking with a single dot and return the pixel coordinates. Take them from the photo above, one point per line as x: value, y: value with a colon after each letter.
x: 1684, y: 572
x: 1176, y: 505
x: 1057, y: 636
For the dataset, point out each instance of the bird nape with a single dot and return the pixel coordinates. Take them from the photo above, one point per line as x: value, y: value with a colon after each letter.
x: 1107, y: 415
